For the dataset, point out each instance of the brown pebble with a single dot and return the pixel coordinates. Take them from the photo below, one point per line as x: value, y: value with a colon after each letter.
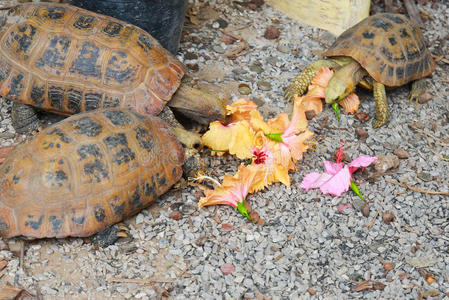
x: 362, y: 116
x: 362, y: 134
x: 226, y: 227
x: 176, y: 215
x: 388, y: 266
x: 228, y: 40
x: 201, y: 241
x: 310, y: 114
x: 227, y: 268
x: 193, y: 67
x: 386, y: 162
x: 272, y: 32
x: 377, y: 285
x: 401, y: 153
x: 365, y: 210
x: 254, y: 216
x: 388, y: 217
x: 311, y: 292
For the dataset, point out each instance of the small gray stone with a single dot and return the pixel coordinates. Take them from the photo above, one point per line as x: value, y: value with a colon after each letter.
x: 284, y: 48
x: 264, y: 85
x: 219, y: 49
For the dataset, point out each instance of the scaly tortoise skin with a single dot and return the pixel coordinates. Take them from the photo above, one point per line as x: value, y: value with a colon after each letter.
x: 68, y: 60
x: 381, y: 50
x: 87, y: 172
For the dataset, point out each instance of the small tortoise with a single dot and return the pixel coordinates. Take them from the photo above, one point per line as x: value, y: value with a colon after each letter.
x: 381, y: 50
x: 67, y: 60
x: 87, y: 172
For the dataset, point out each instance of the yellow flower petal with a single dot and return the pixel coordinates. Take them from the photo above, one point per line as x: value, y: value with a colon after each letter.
x: 278, y: 124
x: 258, y: 123
x: 350, y: 103
x: 237, y: 138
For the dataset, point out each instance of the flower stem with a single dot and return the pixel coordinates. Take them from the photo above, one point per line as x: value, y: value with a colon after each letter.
x: 336, y: 108
x: 356, y: 190
x: 241, y: 208
x: 277, y: 137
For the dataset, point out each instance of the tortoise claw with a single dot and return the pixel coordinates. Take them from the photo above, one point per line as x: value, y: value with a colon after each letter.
x: 110, y: 235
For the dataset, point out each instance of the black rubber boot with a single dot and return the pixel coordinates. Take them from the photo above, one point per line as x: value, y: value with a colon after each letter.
x: 163, y: 19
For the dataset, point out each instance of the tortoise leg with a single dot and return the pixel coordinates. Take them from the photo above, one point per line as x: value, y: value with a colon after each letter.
x: 380, y: 97
x: 418, y: 88
x: 110, y: 235
x: 187, y: 138
x: 299, y: 84
x: 24, y: 118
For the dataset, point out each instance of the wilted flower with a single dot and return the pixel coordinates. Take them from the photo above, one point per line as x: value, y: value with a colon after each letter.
x: 234, y: 189
x: 337, y: 177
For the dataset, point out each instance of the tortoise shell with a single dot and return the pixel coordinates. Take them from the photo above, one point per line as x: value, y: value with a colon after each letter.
x: 67, y: 60
x: 390, y: 47
x: 87, y: 172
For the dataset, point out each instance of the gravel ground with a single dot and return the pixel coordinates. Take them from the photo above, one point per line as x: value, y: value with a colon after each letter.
x: 307, y: 248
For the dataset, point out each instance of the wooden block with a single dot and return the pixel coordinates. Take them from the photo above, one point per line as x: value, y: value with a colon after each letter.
x: 334, y: 16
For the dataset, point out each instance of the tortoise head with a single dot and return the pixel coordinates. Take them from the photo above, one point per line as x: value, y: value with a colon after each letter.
x: 336, y: 90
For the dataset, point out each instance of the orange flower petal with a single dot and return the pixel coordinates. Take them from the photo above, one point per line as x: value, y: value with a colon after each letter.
x: 241, y: 109
x: 322, y: 78
x: 312, y: 103
x: 234, y: 188
x: 298, y: 146
x: 350, y: 103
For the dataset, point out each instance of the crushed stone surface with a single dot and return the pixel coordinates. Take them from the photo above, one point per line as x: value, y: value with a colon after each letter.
x: 307, y: 248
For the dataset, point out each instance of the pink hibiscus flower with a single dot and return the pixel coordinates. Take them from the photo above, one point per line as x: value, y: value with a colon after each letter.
x: 337, y: 177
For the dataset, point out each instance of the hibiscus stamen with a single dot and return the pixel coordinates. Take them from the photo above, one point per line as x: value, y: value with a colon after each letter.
x: 260, y: 156
x: 340, y: 155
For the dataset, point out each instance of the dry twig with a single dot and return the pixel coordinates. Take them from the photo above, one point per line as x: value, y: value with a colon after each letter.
x: 371, y: 223
x: 410, y: 229
x: 436, y: 153
x: 389, y: 6
x: 415, y: 189
x: 242, y: 50
x: 413, y: 12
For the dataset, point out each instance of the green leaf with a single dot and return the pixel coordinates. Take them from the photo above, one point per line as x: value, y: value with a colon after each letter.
x: 356, y: 190
x: 219, y: 150
x: 336, y: 108
x: 241, y: 208
x: 277, y: 137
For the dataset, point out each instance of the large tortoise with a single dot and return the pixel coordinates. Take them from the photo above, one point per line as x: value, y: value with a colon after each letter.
x: 382, y: 50
x: 87, y: 172
x: 67, y: 60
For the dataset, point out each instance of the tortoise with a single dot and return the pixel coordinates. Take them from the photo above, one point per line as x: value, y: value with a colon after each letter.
x: 66, y: 60
x: 381, y: 50
x: 87, y: 172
